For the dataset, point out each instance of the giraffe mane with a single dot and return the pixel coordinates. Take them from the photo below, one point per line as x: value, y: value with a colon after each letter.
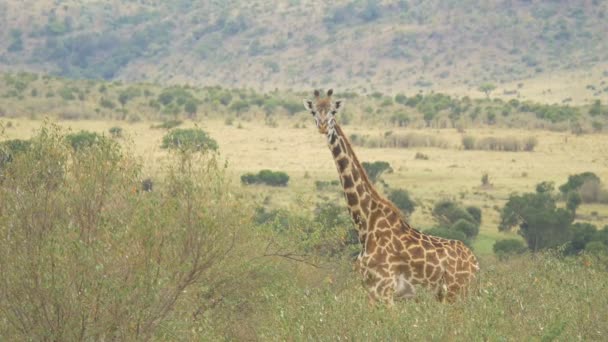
x: 372, y: 189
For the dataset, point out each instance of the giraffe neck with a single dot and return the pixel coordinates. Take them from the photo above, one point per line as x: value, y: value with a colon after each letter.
x: 360, y: 194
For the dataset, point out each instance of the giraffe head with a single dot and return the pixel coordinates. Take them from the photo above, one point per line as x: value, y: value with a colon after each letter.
x: 324, y: 111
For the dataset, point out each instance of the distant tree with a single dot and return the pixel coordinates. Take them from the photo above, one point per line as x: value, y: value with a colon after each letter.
x: 486, y: 88
x: 447, y: 213
x: 376, y: 169
x: 582, y: 234
x: 83, y: 139
x: 191, y: 108
x: 402, y: 200
x: 508, y: 247
x: 573, y: 201
x: 575, y: 182
x: 468, y: 228
x: 540, y: 222
x: 596, y: 108
x: 192, y: 139
x: 545, y: 187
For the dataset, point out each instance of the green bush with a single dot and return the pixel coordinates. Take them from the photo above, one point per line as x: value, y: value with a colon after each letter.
x: 447, y: 213
x: 401, y: 198
x: 468, y: 142
x: 190, y: 139
x: 575, y: 182
x: 376, y: 169
x: 596, y: 247
x: 267, y: 177
x: 475, y: 212
x: 508, y: 247
x: 10, y: 149
x: 468, y: 228
x: 85, y: 257
x: 322, y: 185
x: 115, y: 132
x: 83, y: 139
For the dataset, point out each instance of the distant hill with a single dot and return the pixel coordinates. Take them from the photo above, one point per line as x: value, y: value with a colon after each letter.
x: 553, y: 50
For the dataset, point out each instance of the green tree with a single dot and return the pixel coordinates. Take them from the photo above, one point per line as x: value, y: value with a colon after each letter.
x: 540, y: 222
x: 376, y: 169
x: 401, y: 198
x: 486, y: 88
x: 575, y: 182
x: 191, y: 108
x: 596, y: 108
x: 189, y: 139
x: 573, y: 201
x: 508, y: 247
x: 447, y: 213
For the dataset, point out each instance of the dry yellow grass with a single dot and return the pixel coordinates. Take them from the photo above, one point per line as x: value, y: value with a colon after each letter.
x: 449, y: 173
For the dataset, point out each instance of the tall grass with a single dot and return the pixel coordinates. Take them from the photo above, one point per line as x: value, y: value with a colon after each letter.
x: 390, y: 140
x: 537, y: 297
x: 85, y: 255
x: 509, y: 144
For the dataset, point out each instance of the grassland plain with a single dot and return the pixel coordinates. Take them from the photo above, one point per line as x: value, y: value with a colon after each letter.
x: 255, y: 296
x: 449, y: 173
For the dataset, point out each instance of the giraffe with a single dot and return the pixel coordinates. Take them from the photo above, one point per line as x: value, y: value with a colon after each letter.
x: 394, y: 257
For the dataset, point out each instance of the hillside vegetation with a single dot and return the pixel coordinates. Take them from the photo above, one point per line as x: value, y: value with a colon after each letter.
x: 361, y: 45
x: 34, y: 96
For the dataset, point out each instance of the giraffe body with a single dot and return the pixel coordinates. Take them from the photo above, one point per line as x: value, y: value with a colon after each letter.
x: 395, y: 258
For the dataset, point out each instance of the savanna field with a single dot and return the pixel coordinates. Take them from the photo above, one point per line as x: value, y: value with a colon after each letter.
x: 161, y: 179
x: 90, y: 253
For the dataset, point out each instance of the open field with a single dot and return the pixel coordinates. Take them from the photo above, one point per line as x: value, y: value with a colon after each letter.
x: 187, y: 261
x: 450, y: 173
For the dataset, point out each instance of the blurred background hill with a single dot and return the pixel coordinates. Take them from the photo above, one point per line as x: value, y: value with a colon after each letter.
x: 549, y: 51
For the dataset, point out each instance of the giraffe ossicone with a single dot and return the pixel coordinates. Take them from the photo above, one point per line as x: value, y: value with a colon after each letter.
x: 394, y: 257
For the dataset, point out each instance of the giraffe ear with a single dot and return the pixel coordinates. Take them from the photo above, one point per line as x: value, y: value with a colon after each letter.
x: 338, y: 106
x: 308, y: 105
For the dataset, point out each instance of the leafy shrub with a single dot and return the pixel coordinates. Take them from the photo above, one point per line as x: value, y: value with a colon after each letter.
x: 596, y: 247
x: 468, y: 228
x: 401, y: 198
x: 267, y: 177
x: 573, y: 200
x: 448, y: 213
x: 485, y: 180
x: 331, y: 215
x: 508, y: 247
x: 575, y: 182
x: 468, y: 142
x: 105, y: 103
x: 541, y: 223
x: 191, y: 139
x: 115, y: 132
x: 83, y: 139
x: 84, y: 248
x: 582, y: 234
x: 9, y: 149
x: 321, y: 185
x: 376, y: 169
x: 475, y: 212
x: 421, y: 156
